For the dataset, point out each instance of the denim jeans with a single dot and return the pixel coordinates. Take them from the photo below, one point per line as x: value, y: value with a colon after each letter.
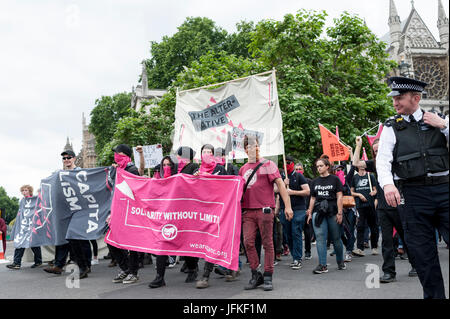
x: 294, y: 230
x: 331, y: 227
x: 18, y: 254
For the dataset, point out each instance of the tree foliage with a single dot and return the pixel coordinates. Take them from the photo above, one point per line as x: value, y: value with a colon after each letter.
x: 335, y: 80
x: 334, y: 76
x: 105, y: 115
x: 157, y: 126
x: 194, y: 38
x: 8, y: 204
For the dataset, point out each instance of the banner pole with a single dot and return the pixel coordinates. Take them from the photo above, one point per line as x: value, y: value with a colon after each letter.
x: 285, y: 167
x: 148, y: 171
x: 215, y: 84
x: 369, y: 130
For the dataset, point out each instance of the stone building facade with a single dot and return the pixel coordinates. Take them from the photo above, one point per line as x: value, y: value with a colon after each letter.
x: 142, y: 95
x: 86, y: 158
x: 419, y: 55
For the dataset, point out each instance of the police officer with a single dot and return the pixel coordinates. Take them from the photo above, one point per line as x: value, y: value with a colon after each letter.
x: 413, y: 168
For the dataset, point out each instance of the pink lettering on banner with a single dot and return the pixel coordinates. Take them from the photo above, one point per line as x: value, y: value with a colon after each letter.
x: 182, y: 215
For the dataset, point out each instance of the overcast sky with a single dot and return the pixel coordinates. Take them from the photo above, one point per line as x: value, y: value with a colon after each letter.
x: 57, y: 57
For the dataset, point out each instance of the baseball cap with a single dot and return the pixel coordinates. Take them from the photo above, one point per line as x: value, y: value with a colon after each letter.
x: 68, y: 152
x: 124, y: 148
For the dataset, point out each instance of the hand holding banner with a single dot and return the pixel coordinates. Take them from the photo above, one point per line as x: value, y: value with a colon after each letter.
x: 180, y: 215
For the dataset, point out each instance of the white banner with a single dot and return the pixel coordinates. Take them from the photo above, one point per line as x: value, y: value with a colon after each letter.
x: 205, y: 116
x: 152, y: 155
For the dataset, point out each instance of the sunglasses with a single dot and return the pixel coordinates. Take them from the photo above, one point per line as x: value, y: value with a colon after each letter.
x: 67, y: 157
x: 289, y: 162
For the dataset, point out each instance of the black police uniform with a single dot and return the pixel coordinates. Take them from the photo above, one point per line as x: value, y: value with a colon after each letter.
x: 421, y: 149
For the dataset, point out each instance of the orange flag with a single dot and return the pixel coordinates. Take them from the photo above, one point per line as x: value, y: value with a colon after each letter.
x: 335, y: 150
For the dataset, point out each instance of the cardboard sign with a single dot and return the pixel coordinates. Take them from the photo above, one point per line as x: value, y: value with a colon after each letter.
x: 152, y: 155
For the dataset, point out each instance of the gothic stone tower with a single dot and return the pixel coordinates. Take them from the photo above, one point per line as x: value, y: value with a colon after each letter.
x: 87, y: 153
x: 412, y: 44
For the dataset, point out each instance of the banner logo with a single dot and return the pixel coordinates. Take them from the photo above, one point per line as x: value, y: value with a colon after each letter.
x: 169, y: 231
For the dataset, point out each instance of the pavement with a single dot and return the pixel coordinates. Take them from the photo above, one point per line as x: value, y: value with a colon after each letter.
x: 358, y: 281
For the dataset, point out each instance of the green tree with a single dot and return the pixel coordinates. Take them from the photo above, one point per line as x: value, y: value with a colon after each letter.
x: 213, y: 67
x: 157, y: 126
x: 193, y: 38
x: 105, y: 115
x: 10, y: 205
x: 238, y: 43
x: 337, y: 79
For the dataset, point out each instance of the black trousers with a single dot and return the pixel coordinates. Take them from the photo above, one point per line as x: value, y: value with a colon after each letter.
x: 309, y: 232
x: 368, y: 214
x: 208, y: 268
x: 191, y: 262
x: 80, y: 250
x: 18, y: 254
x: 61, y: 253
x: 426, y: 209
x: 127, y: 261
x: 388, y: 219
x: 94, y: 247
x: 277, y: 236
x: 161, y: 261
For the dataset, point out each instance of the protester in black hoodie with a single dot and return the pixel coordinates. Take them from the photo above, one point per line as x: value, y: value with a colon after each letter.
x: 185, y: 155
x: 127, y: 261
x: 167, y: 168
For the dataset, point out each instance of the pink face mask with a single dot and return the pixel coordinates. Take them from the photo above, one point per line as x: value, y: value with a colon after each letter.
x: 220, y: 160
x: 182, y: 163
x: 341, y: 176
x: 121, y: 160
x: 208, y: 164
x: 167, y: 171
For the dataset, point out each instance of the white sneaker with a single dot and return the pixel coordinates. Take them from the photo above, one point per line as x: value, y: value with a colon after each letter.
x: 358, y: 252
x: 348, y: 257
x: 94, y: 262
x: 297, y: 264
x: 172, y: 262
x: 374, y: 251
x: 130, y: 279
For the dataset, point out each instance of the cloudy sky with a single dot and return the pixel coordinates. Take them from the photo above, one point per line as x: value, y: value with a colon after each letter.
x: 57, y: 57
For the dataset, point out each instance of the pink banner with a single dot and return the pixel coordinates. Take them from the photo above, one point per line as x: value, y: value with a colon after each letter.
x: 372, y: 138
x: 183, y: 215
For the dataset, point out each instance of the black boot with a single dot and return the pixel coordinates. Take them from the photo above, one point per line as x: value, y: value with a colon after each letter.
x: 268, y: 282
x: 257, y: 280
x: 157, y: 282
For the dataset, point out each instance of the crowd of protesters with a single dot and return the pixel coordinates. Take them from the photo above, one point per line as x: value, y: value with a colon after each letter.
x: 283, y: 213
x: 281, y: 207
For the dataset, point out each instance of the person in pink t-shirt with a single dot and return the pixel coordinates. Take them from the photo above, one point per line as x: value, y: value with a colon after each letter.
x: 258, y: 208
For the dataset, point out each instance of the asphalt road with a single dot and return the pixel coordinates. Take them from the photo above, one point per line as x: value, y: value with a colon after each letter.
x: 28, y: 283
